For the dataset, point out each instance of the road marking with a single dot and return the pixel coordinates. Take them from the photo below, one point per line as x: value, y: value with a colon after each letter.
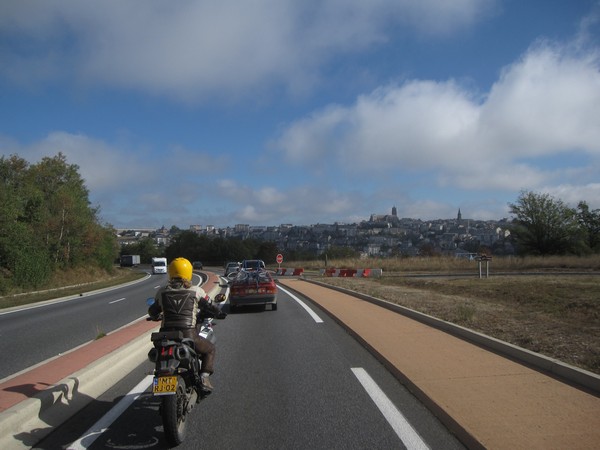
x: 102, y: 425
x: 40, y: 305
x: 407, y: 434
x: 55, y: 301
x: 116, y: 301
x: 314, y: 315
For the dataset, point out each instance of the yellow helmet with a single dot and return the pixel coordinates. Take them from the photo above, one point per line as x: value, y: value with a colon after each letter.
x: 180, y: 268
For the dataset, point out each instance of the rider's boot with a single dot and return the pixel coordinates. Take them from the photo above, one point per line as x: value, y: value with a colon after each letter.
x: 207, y: 387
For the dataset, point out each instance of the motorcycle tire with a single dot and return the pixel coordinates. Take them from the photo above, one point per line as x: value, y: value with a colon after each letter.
x: 173, y: 410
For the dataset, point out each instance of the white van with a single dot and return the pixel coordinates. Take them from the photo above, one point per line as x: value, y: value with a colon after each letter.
x: 159, y: 265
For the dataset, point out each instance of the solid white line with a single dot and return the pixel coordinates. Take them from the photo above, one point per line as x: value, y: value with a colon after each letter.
x: 116, y: 301
x: 314, y: 315
x: 102, y: 425
x: 407, y: 434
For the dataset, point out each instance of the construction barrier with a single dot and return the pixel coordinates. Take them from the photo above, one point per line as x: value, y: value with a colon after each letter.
x: 291, y: 272
x: 363, y: 273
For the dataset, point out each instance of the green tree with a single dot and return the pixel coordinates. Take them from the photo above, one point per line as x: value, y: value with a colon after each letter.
x: 64, y: 214
x: 103, y: 247
x: 219, y: 250
x: 428, y: 249
x: 300, y: 254
x: 543, y: 225
x: 251, y: 248
x: 267, y: 251
x: 187, y: 244
x: 340, y: 252
x: 47, y: 223
x: 145, y: 247
x: 23, y: 256
x: 589, y: 221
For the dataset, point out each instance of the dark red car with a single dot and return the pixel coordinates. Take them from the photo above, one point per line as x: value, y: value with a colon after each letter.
x: 256, y: 287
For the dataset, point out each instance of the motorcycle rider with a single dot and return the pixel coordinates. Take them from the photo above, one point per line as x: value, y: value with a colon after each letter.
x: 180, y: 303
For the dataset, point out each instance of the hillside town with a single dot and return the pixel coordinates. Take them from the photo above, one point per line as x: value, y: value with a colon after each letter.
x: 383, y: 235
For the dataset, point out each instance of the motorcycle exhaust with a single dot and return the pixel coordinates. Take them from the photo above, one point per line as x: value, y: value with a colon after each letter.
x: 181, y: 353
x: 153, y: 355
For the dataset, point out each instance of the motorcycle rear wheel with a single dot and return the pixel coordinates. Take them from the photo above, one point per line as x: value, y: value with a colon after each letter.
x: 173, y: 412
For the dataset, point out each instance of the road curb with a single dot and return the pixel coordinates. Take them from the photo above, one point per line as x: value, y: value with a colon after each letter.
x: 28, y: 422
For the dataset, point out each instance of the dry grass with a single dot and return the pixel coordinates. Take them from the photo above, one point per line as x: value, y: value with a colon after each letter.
x: 452, y: 265
x: 556, y: 315
x: 549, y: 305
x: 71, y: 283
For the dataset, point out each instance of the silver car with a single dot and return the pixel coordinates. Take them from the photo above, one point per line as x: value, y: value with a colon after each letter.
x: 232, y: 267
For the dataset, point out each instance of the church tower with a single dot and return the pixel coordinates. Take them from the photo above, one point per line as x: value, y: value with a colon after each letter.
x: 394, y: 211
x: 459, y: 216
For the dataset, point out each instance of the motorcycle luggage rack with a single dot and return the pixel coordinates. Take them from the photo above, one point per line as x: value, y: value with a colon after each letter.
x: 159, y: 336
x: 189, y: 342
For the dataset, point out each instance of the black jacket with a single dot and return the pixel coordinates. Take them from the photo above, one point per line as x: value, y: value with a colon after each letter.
x: 179, y: 305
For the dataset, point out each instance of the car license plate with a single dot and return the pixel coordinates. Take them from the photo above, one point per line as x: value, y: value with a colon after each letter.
x: 164, y: 385
x: 251, y: 291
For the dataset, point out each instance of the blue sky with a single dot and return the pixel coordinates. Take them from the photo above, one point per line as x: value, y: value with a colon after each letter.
x: 263, y: 112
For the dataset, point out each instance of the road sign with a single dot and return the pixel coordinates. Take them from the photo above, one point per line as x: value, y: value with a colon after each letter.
x: 279, y: 258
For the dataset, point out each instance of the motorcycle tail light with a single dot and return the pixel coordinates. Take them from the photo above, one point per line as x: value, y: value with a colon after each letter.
x: 166, y: 351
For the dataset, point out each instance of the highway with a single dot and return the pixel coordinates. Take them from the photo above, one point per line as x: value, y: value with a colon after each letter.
x: 291, y: 378
x: 35, y: 333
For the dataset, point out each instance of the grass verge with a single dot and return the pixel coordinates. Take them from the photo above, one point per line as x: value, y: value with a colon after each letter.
x: 557, y: 315
x: 69, y: 283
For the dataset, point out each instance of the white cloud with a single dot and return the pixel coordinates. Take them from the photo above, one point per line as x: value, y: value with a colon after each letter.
x: 102, y: 166
x: 573, y: 194
x: 544, y: 105
x: 441, y: 132
x: 195, y: 49
x: 268, y: 204
x: 129, y: 181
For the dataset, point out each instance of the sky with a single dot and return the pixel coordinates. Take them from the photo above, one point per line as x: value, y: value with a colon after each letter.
x: 269, y: 112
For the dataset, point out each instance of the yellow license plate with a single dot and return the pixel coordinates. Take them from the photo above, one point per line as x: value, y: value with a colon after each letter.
x: 164, y: 385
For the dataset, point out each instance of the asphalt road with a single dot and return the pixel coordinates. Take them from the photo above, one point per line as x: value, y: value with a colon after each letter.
x: 284, y: 379
x: 35, y: 333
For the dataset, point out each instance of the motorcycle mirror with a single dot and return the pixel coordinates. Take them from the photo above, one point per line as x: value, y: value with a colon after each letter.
x: 150, y: 301
x: 219, y: 298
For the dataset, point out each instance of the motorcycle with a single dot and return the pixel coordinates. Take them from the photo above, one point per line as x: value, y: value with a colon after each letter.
x: 177, y: 374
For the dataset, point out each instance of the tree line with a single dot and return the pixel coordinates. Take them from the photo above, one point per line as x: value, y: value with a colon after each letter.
x: 214, y: 251
x: 543, y: 225
x: 47, y: 222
